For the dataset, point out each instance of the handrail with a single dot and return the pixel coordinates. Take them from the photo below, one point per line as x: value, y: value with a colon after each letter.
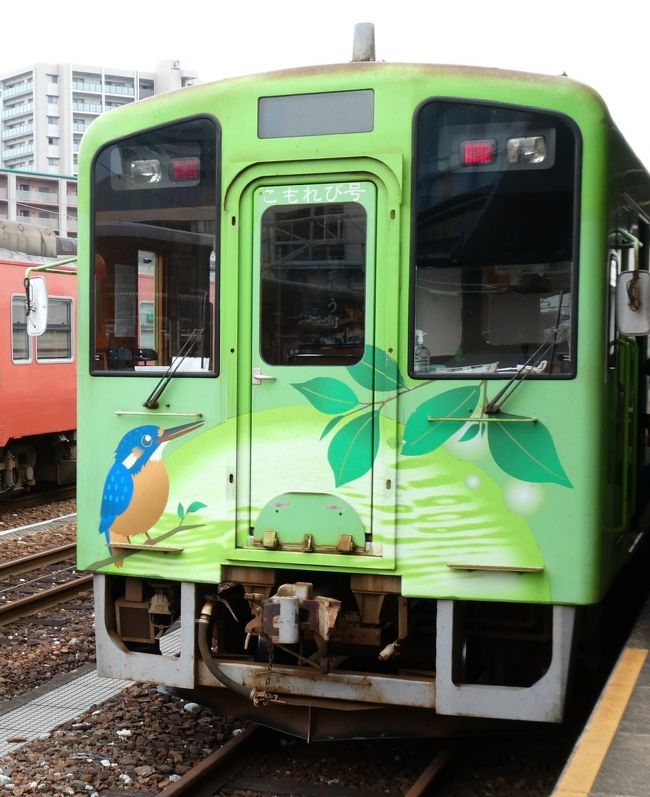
x: 58, y: 267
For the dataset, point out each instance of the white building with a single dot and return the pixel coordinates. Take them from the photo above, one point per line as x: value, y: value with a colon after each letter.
x: 45, y: 108
x: 48, y: 200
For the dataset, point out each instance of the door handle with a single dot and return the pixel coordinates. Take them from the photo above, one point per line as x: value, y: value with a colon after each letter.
x: 259, y: 377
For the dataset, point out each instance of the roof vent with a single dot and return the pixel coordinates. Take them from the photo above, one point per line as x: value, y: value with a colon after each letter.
x: 363, y: 48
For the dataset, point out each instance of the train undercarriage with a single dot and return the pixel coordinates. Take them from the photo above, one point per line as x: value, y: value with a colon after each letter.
x: 325, y: 655
x: 26, y: 462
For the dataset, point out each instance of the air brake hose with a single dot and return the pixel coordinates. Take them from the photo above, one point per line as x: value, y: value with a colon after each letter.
x: 205, y: 622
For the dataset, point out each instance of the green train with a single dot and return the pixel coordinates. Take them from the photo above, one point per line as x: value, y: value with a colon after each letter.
x: 362, y: 390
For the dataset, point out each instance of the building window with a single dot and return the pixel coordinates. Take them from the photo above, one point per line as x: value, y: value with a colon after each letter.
x: 20, y: 342
x: 52, y: 100
x: 56, y: 341
x: 53, y: 120
x: 53, y: 79
x: 52, y: 140
x: 53, y: 161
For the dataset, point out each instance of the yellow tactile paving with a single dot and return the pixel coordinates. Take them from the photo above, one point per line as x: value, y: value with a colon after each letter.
x: 582, y: 769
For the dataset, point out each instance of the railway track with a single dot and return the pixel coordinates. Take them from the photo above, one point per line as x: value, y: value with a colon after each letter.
x: 12, y: 503
x: 28, y: 596
x: 232, y: 770
x: 36, y: 561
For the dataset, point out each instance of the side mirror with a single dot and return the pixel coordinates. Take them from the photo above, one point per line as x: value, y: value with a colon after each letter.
x: 633, y: 303
x: 36, y: 306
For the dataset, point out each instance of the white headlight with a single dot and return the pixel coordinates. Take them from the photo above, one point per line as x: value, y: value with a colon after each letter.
x: 529, y: 149
x: 145, y: 171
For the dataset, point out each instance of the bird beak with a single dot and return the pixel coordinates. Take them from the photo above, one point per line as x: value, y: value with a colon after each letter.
x: 177, y: 431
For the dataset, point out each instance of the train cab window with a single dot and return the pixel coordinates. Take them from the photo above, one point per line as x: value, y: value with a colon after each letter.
x: 56, y: 342
x: 313, y: 284
x: 20, y: 341
x: 155, y: 211
x: 494, y: 256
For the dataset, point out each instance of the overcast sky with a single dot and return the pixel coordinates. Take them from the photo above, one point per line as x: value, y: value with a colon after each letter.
x: 603, y: 45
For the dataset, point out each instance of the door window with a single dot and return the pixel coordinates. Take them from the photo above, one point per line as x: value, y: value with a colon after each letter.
x: 313, y: 284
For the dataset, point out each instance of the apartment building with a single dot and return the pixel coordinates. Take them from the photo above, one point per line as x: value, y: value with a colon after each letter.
x: 48, y: 200
x: 44, y: 111
x: 46, y: 108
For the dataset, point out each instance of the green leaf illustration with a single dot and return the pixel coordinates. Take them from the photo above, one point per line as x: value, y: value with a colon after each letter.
x: 471, y: 433
x: 180, y: 511
x: 354, y: 447
x: 328, y: 395
x: 525, y: 451
x: 195, y: 506
x: 378, y: 371
x: 422, y: 435
x: 331, y: 424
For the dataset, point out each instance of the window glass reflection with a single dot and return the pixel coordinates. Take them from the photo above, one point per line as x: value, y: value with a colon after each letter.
x: 313, y: 280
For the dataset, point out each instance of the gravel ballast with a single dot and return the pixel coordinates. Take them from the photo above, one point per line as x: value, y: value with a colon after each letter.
x: 138, y: 741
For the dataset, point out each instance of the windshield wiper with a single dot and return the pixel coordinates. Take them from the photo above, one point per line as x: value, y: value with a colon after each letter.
x: 151, y: 402
x: 549, y: 343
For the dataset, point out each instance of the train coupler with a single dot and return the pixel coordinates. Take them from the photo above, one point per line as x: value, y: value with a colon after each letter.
x: 292, y: 612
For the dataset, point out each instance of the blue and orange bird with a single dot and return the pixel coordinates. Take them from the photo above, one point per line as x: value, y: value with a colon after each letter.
x: 137, y: 486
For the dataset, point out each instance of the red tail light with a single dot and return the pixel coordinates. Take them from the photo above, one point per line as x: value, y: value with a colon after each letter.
x: 185, y: 169
x: 477, y: 152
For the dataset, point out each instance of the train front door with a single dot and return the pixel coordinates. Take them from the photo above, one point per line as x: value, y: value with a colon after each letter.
x: 313, y: 428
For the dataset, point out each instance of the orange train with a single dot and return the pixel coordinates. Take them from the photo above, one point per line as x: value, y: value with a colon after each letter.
x: 37, y: 375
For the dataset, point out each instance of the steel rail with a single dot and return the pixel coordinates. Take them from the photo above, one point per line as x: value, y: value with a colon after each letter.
x: 214, y: 771
x: 22, y: 607
x: 424, y: 782
x: 17, y: 567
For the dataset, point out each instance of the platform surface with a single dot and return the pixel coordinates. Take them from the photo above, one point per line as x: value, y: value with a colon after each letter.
x: 35, y: 715
x: 612, y: 756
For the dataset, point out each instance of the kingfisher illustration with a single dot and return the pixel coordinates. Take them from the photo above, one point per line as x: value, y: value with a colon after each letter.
x: 137, y: 485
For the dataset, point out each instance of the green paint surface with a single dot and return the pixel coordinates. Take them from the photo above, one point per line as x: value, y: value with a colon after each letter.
x: 432, y: 498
